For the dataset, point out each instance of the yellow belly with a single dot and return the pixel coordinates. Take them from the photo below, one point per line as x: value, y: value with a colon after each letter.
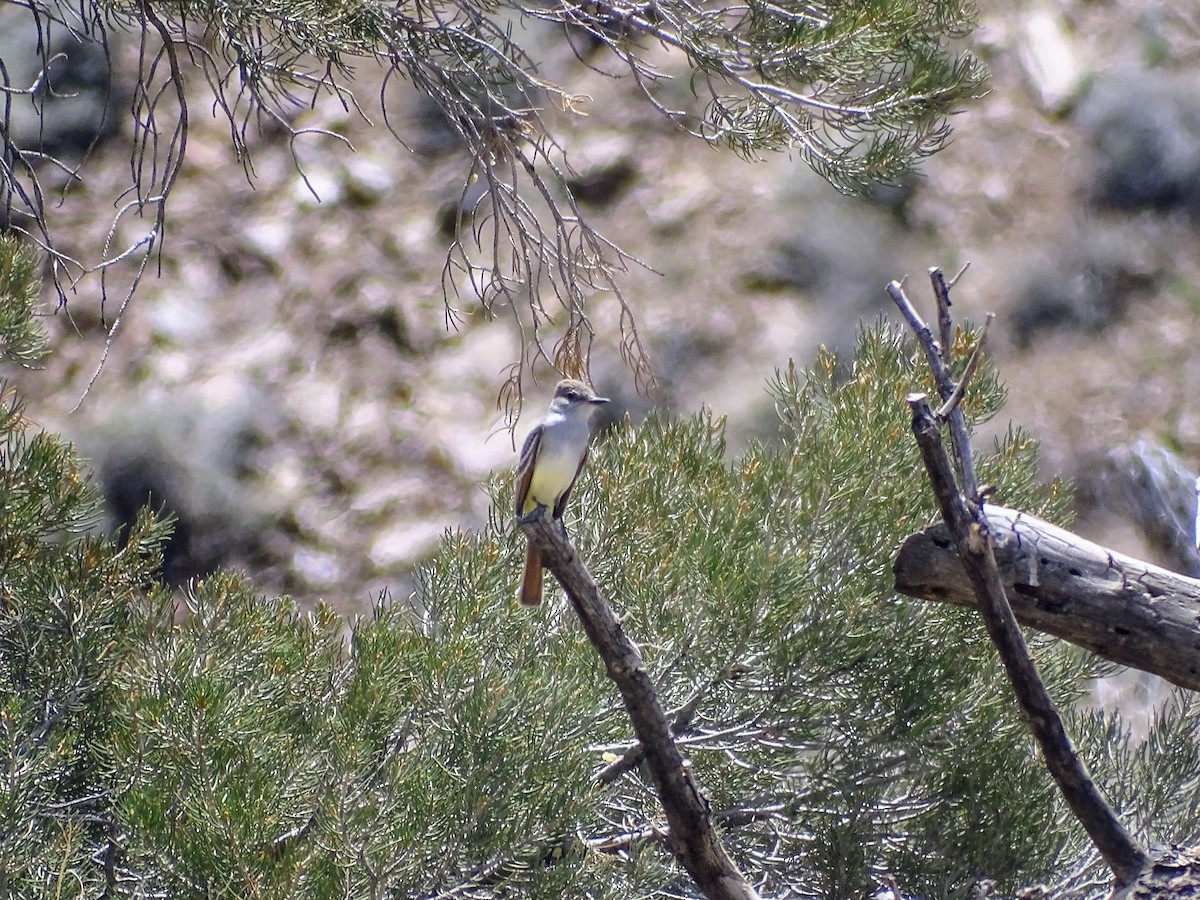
x: 552, y: 476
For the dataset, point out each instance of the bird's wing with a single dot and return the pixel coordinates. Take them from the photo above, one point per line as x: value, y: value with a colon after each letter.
x: 529, y: 454
x: 561, y: 505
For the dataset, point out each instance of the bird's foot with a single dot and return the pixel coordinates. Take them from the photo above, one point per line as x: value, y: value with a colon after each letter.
x: 532, y: 515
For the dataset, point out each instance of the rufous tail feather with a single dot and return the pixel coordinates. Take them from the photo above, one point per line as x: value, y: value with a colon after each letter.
x: 531, y: 584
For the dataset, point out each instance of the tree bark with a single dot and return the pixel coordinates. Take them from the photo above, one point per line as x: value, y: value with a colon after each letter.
x: 1121, y: 608
x: 692, y: 837
x: 974, y: 544
x: 970, y: 533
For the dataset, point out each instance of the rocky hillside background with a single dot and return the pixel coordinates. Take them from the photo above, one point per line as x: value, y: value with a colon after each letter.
x: 288, y: 385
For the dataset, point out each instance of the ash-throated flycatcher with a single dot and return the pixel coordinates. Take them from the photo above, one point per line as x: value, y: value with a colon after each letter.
x: 551, y: 460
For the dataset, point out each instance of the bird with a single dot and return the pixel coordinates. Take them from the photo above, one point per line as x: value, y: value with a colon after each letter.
x: 551, y: 459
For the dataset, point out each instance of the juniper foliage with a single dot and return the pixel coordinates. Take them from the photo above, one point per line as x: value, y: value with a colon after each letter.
x: 861, y: 91
x: 66, y: 599
x: 220, y: 743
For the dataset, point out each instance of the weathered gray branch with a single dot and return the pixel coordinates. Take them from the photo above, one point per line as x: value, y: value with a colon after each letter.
x: 974, y: 545
x: 1013, y: 567
x: 938, y: 359
x: 962, y: 508
x: 1120, y: 608
x: 692, y: 837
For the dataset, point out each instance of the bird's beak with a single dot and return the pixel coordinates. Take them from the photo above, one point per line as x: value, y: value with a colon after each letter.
x: 599, y: 401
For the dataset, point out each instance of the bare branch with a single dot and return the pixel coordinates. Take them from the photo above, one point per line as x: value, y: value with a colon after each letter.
x: 692, y: 837
x: 945, y: 384
x: 972, y: 537
x: 951, y: 403
x: 941, y: 293
x: 1121, y: 608
x: 969, y: 529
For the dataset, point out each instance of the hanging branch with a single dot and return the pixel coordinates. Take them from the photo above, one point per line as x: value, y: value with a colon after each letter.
x: 692, y: 837
x: 963, y: 513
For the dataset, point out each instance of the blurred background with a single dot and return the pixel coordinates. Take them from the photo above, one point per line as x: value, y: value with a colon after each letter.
x: 289, y: 384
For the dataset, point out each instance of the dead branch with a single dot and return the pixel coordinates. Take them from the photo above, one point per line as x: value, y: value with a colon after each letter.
x: 968, y: 527
x: 972, y: 537
x: 692, y: 837
x: 1123, y: 609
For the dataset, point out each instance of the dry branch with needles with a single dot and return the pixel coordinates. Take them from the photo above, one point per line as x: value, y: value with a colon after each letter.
x: 963, y: 511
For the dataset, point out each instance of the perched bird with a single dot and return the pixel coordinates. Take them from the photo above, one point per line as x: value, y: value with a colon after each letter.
x: 551, y: 460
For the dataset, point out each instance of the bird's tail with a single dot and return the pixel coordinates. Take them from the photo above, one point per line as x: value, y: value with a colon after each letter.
x: 531, y: 584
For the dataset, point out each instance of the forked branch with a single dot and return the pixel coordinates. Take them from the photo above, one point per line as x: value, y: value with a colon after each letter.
x: 962, y: 510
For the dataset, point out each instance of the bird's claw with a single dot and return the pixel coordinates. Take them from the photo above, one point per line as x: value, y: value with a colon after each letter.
x: 532, y: 515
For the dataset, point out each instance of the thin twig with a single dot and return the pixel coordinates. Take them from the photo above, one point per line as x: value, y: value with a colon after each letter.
x: 945, y: 387
x: 941, y: 291
x: 959, y: 274
x: 960, y: 389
